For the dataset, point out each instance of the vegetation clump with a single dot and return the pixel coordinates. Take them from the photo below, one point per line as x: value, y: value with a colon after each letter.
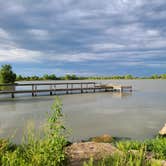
x: 45, y: 150
x: 7, y: 75
x: 150, y: 152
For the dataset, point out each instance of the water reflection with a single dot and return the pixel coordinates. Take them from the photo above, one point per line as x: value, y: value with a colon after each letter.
x: 137, y: 115
x: 122, y: 95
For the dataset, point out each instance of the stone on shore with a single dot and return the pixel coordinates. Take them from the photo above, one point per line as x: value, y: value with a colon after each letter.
x: 163, y: 131
x: 78, y: 153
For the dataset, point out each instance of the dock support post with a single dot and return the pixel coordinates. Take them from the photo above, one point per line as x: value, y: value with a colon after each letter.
x: 67, y: 91
x: 50, y: 90
x: 71, y: 88
x: 13, y: 89
x: 81, y: 88
x: 12, y: 95
x: 55, y: 89
x: 33, y: 90
x: 94, y: 88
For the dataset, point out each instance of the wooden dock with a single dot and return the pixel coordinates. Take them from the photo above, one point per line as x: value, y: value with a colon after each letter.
x: 63, y: 87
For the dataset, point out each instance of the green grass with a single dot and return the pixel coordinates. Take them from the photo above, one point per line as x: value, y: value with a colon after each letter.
x: 157, y: 146
x: 45, y: 150
x: 134, y: 153
x: 125, y: 159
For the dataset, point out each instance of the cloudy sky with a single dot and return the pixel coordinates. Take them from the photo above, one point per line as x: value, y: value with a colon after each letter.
x: 83, y: 37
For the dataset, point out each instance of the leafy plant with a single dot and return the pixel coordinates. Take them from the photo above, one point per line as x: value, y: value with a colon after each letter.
x: 42, y: 150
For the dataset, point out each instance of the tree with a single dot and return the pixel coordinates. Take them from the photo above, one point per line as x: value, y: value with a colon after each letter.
x: 70, y: 77
x: 128, y: 76
x: 163, y: 76
x: 67, y: 77
x: 49, y: 77
x: 6, y: 74
x: 19, y: 78
x: 155, y: 76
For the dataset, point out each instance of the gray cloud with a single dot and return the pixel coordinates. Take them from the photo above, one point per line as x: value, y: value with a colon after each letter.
x: 80, y: 31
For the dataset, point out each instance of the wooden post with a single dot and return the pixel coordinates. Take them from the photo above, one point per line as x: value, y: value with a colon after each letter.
x: 12, y: 95
x: 32, y: 90
x: 35, y: 90
x: 50, y: 90
x: 71, y: 88
x: 55, y: 89
x: 13, y: 89
x: 67, y: 89
x: 94, y: 88
x: 81, y: 88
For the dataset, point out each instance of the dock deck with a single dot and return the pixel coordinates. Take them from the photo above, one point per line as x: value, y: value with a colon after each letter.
x: 65, y: 87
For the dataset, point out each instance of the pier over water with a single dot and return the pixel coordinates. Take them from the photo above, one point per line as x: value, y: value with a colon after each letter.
x: 66, y: 88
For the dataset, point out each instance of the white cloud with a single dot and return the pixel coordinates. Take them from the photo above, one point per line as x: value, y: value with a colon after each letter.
x: 107, y: 46
x: 75, y: 57
x: 15, y: 8
x: 57, y: 71
x: 152, y: 32
x: 19, y: 55
x: 157, y: 65
x: 3, y: 34
x: 39, y: 34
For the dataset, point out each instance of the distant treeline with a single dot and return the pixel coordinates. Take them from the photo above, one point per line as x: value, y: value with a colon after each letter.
x: 8, y: 76
x: 74, y: 77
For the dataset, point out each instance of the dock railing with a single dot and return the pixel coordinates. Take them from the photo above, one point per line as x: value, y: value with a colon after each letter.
x: 53, y: 88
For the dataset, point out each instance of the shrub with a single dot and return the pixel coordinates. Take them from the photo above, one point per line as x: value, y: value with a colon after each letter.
x: 45, y: 150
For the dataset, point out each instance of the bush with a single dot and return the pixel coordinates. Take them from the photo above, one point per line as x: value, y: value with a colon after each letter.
x: 45, y: 150
x: 7, y: 75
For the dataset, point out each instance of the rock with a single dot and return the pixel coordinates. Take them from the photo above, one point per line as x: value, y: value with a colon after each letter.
x: 163, y: 131
x: 105, y: 139
x: 163, y: 162
x: 78, y: 153
x: 158, y: 162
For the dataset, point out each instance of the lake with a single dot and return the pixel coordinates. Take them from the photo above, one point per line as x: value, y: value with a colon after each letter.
x: 136, y: 115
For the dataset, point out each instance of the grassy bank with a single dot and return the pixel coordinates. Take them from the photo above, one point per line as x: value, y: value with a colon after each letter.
x: 150, y: 152
x: 48, y: 149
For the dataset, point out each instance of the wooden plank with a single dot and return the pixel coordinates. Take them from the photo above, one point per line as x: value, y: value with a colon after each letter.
x: 56, y: 83
x: 45, y: 90
x: 53, y: 87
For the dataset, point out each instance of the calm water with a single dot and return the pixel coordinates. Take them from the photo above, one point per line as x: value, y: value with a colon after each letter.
x: 137, y: 115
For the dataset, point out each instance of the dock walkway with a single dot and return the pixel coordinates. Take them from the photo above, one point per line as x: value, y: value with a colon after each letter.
x: 65, y: 87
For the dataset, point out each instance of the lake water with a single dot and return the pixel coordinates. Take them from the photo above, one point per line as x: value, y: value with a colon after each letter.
x: 136, y: 115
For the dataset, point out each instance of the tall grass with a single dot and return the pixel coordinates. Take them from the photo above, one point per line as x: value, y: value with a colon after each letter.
x: 45, y: 150
x: 135, y: 153
x: 157, y: 146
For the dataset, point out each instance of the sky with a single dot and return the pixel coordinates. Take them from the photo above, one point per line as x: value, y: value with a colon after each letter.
x: 83, y: 37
